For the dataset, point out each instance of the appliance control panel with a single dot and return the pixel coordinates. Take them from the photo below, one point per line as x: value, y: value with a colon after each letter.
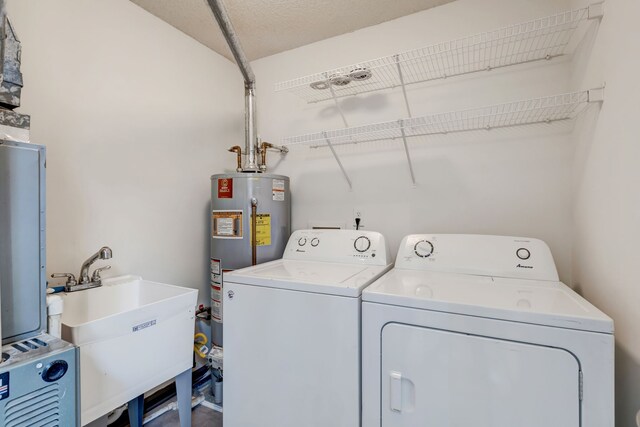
x: 499, y: 256
x: 346, y: 246
x: 28, y: 349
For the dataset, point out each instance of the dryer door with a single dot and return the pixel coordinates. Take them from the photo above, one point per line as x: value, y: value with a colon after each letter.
x: 435, y: 378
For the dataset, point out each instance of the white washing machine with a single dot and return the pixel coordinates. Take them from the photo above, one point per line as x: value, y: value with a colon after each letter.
x: 478, y: 331
x: 292, y: 331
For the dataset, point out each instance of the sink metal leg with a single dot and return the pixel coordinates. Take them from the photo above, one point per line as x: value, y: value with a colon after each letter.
x: 136, y: 411
x: 183, y: 390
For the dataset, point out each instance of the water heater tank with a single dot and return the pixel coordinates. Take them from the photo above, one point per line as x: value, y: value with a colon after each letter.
x: 244, y: 204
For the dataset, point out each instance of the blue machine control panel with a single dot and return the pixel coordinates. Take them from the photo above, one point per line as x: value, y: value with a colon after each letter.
x: 42, y: 366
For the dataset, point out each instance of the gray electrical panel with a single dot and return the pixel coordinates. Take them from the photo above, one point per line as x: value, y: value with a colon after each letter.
x: 22, y: 240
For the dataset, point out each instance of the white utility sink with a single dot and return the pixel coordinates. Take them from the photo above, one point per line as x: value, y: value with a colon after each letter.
x: 133, y: 336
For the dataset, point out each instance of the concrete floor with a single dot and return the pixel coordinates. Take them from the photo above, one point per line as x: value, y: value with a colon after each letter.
x: 200, y: 417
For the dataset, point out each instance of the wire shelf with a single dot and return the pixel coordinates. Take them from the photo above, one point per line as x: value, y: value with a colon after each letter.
x: 527, y: 112
x: 531, y: 111
x: 543, y: 38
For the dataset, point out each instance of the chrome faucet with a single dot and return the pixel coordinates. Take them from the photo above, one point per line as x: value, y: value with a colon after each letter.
x: 86, y: 282
x: 104, y: 253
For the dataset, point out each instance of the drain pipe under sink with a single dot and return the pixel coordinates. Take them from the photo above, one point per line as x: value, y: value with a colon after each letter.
x: 55, y: 306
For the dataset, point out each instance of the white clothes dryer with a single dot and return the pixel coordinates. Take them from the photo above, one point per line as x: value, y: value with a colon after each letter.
x: 478, y: 331
x: 292, y: 331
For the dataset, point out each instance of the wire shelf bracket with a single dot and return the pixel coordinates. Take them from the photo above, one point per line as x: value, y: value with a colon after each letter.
x: 338, y: 107
x: 403, y: 85
x: 536, y: 40
x: 518, y: 113
x: 335, y: 155
x: 406, y: 150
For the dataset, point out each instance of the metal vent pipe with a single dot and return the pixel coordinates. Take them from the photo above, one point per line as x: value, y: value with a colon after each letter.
x: 250, y: 126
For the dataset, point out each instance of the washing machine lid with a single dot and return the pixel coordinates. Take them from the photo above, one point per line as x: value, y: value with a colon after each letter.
x: 309, y: 276
x: 549, y: 303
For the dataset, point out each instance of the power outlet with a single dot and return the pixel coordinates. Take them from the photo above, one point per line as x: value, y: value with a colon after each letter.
x: 358, y: 213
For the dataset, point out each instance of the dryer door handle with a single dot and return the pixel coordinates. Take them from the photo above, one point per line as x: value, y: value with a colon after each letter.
x: 395, y: 395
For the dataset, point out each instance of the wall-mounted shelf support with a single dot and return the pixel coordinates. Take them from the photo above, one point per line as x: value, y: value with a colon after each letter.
x: 404, y: 88
x: 596, y: 10
x: 335, y: 155
x: 406, y: 151
x: 335, y: 100
x: 596, y: 95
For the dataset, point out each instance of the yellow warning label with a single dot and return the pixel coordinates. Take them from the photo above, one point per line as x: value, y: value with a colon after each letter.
x: 263, y: 230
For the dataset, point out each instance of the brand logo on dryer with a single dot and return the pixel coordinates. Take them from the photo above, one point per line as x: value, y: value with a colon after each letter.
x: 524, y: 266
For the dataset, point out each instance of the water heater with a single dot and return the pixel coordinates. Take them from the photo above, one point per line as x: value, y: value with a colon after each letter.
x: 250, y: 224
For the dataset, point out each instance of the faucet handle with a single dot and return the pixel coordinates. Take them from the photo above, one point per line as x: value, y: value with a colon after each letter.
x: 71, y: 279
x: 96, y: 273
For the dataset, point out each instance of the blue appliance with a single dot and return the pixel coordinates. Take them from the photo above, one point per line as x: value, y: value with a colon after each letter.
x: 38, y: 383
x: 38, y: 373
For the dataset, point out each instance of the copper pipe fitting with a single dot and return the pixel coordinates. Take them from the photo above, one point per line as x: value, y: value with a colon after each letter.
x: 263, y: 151
x: 236, y: 149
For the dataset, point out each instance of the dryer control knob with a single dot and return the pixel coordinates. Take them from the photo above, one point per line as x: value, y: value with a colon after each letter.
x: 423, y: 248
x: 302, y: 241
x: 362, y: 244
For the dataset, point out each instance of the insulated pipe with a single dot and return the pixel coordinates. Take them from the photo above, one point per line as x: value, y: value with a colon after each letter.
x: 250, y: 132
x: 263, y: 152
x: 219, y: 11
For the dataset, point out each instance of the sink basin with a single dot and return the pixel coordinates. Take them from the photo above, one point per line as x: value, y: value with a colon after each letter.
x: 133, y: 335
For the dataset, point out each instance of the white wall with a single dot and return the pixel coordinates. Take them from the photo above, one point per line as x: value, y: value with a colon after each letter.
x: 606, y: 205
x: 136, y: 116
x: 510, y: 181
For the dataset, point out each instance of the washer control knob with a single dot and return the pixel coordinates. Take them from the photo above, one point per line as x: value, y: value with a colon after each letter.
x: 362, y: 244
x: 523, y: 253
x: 302, y: 241
x: 315, y: 241
x: 423, y: 248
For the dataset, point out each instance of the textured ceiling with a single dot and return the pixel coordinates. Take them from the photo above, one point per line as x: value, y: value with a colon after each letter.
x: 266, y: 27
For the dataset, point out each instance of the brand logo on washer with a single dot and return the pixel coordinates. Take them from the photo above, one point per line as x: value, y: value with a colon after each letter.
x: 524, y: 266
x: 144, y: 325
